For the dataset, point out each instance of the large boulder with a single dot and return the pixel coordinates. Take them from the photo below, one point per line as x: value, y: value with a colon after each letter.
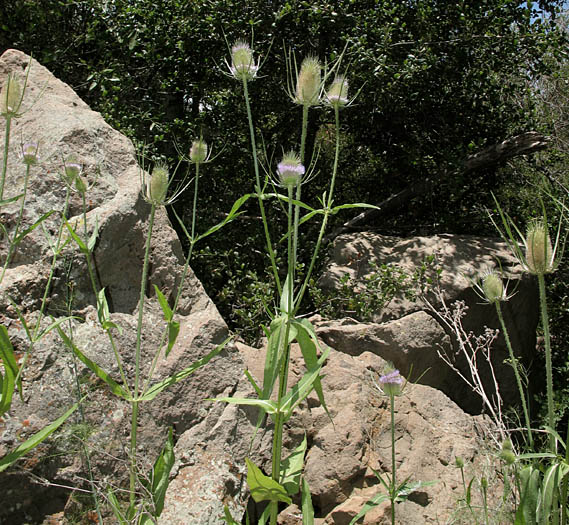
x: 431, y: 431
x: 412, y: 334
x: 64, y: 126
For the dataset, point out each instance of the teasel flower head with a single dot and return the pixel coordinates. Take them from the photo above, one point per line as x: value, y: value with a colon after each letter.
x: 71, y: 170
x: 539, y: 252
x: 290, y: 170
x: 507, y: 453
x: 199, y: 152
x: 243, y: 66
x: 157, y: 185
x: 29, y: 153
x: 309, y: 82
x: 337, y: 94
x: 11, y: 97
x: 490, y: 287
x: 391, y: 381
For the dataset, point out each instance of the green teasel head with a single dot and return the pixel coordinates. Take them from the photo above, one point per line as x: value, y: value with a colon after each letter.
x: 290, y: 170
x: 29, y: 153
x: 309, y: 82
x: 243, y: 66
x: 493, y: 287
x: 11, y: 97
x: 539, y: 251
x: 199, y: 152
x: 157, y: 185
x: 337, y: 94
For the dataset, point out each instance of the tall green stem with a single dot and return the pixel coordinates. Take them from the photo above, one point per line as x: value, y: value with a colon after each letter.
x: 326, y: 213
x: 258, y: 188
x: 134, y: 402
x: 13, y: 243
x: 299, y: 187
x: 284, y: 365
x: 5, y: 159
x: 516, y: 372
x: 182, y: 279
x: 548, y: 364
x: 392, y: 491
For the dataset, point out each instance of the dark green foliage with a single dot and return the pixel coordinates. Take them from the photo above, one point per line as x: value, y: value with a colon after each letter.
x: 439, y: 80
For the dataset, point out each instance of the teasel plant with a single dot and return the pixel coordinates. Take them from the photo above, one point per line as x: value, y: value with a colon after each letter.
x: 306, y: 88
x: 392, y: 384
x: 537, y: 255
x: 158, y: 189
x: 491, y: 289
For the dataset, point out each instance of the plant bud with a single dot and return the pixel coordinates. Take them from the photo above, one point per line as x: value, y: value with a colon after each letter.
x: 157, y: 185
x: 290, y: 170
x: 539, y: 251
x: 29, y: 155
x: 337, y: 95
x: 198, y: 151
x: 10, y: 97
x: 242, y: 62
x: 308, y: 83
x: 507, y: 453
x: 459, y: 462
x: 72, y: 170
x: 493, y: 288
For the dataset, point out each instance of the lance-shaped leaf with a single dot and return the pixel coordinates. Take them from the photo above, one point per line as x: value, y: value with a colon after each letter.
x: 159, y: 479
x: 154, y: 390
x: 306, y: 504
x: 103, y: 312
x: 116, y: 389
x: 94, y: 236
x: 309, y: 345
x: 35, y: 440
x: 291, y: 469
x: 82, y: 246
x: 227, y: 517
x: 31, y: 228
x: 551, y: 488
x: 275, y: 350
x: 264, y: 488
x: 11, y: 199
x: 234, y: 212
x: 11, y: 369
x: 286, y: 296
x: 529, y: 496
x: 300, y: 391
x: 266, y: 405
x: 378, y: 499
x: 173, y: 326
x: 116, y: 507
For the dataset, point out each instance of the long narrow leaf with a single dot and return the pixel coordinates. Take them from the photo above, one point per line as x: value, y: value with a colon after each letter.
x: 154, y: 390
x: 160, y: 475
x: 308, y: 342
x: 94, y: 236
x: 231, y: 215
x: 94, y: 367
x: 269, y: 407
x: 264, y: 488
x: 35, y: 440
x: 11, y: 199
x: 32, y: 227
x: 82, y: 246
x: 291, y: 468
x: 11, y: 370
x: 370, y: 504
x: 306, y: 504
